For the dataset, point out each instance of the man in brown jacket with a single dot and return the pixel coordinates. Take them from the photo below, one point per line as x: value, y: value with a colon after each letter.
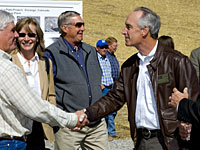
x: 145, y: 84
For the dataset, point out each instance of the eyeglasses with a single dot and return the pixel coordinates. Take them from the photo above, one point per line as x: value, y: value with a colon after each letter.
x: 102, y: 47
x: 31, y: 35
x: 77, y: 25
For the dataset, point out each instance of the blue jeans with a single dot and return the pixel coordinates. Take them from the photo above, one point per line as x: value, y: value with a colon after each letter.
x: 12, y: 145
x: 110, y: 118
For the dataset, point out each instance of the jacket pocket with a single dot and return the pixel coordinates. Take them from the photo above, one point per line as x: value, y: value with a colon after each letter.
x: 170, y: 122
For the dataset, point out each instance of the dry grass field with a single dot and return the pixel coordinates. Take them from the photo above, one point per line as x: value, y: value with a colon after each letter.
x: 180, y: 19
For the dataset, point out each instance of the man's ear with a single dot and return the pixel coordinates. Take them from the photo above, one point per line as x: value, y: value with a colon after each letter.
x: 145, y: 31
x: 64, y: 28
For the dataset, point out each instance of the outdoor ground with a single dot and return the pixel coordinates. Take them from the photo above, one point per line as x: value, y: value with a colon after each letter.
x: 180, y: 19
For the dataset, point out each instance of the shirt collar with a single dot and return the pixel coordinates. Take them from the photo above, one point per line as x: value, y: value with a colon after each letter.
x: 109, y: 53
x: 151, y: 54
x: 23, y: 60
x: 99, y: 55
x: 69, y: 45
x: 5, y: 55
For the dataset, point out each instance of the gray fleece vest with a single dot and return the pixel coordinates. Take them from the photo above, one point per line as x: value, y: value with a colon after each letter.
x: 70, y: 81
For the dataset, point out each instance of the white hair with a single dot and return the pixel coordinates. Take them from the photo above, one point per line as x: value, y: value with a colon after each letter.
x: 6, y: 18
x: 149, y: 19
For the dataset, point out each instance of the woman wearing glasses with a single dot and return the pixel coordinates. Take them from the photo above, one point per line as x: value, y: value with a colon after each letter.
x: 39, y: 74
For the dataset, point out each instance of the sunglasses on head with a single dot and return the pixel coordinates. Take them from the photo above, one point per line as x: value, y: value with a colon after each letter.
x: 102, y: 47
x: 31, y: 35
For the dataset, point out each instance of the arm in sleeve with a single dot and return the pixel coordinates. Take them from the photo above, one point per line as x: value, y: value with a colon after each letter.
x: 195, y: 58
x: 22, y: 98
x: 109, y: 103
x: 189, y: 111
x: 187, y: 77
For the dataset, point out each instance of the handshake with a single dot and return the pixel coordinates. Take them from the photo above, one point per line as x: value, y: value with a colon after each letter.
x: 82, y: 120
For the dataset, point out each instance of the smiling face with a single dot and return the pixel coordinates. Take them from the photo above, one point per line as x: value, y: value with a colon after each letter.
x: 27, y: 41
x: 8, y: 38
x: 132, y: 33
x: 102, y: 50
x: 113, y: 47
x: 74, y: 30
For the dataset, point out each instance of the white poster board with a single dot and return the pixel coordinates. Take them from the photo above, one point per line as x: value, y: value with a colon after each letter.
x: 45, y: 12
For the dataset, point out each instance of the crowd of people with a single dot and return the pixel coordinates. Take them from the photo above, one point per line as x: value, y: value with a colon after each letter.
x: 66, y: 96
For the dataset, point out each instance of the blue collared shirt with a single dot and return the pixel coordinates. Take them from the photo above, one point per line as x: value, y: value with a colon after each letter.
x: 78, y: 55
x: 114, y: 65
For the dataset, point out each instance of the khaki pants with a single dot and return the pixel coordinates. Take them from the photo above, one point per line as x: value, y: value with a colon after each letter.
x: 88, y: 138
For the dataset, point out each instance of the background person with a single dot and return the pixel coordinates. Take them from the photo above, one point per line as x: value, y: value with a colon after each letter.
x: 28, y: 57
x: 167, y: 40
x: 112, y: 48
x: 77, y: 78
x: 19, y: 104
x: 188, y: 115
x: 106, y: 82
x: 195, y: 59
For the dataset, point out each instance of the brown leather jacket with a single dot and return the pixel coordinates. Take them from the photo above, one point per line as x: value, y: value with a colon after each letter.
x: 168, y: 69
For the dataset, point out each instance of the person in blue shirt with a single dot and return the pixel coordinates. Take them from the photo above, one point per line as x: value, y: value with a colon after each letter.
x: 106, y: 82
x: 77, y: 79
x: 112, y: 48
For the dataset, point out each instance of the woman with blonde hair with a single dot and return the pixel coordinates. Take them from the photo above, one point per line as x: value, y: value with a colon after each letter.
x: 39, y: 74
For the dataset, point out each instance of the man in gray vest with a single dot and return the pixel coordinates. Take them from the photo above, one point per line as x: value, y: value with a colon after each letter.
x: 77, y: 77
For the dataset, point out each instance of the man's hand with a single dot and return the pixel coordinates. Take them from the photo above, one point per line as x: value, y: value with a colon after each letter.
x: 102, y: 86
x: 82, y: 119
x: 177, y: 96
x: 185, y: 130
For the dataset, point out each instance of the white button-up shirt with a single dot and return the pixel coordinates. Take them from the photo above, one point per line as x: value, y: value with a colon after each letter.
x: 32, y: 73
x: 19, y: 103
x: 146, y: 111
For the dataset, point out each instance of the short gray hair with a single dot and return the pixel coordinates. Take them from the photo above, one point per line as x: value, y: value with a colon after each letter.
x: 65, y: 18
x: 5, y: 19
x: 149, y: 19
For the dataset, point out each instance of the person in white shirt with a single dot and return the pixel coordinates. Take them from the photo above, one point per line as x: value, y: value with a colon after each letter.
x: 145, y: 83
x: 39, y: 74
x: 20, y: 104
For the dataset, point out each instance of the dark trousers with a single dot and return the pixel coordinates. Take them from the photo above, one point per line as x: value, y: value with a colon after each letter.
x: 149, y: 144
x: 35, y: 140
x: 153, y: 142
